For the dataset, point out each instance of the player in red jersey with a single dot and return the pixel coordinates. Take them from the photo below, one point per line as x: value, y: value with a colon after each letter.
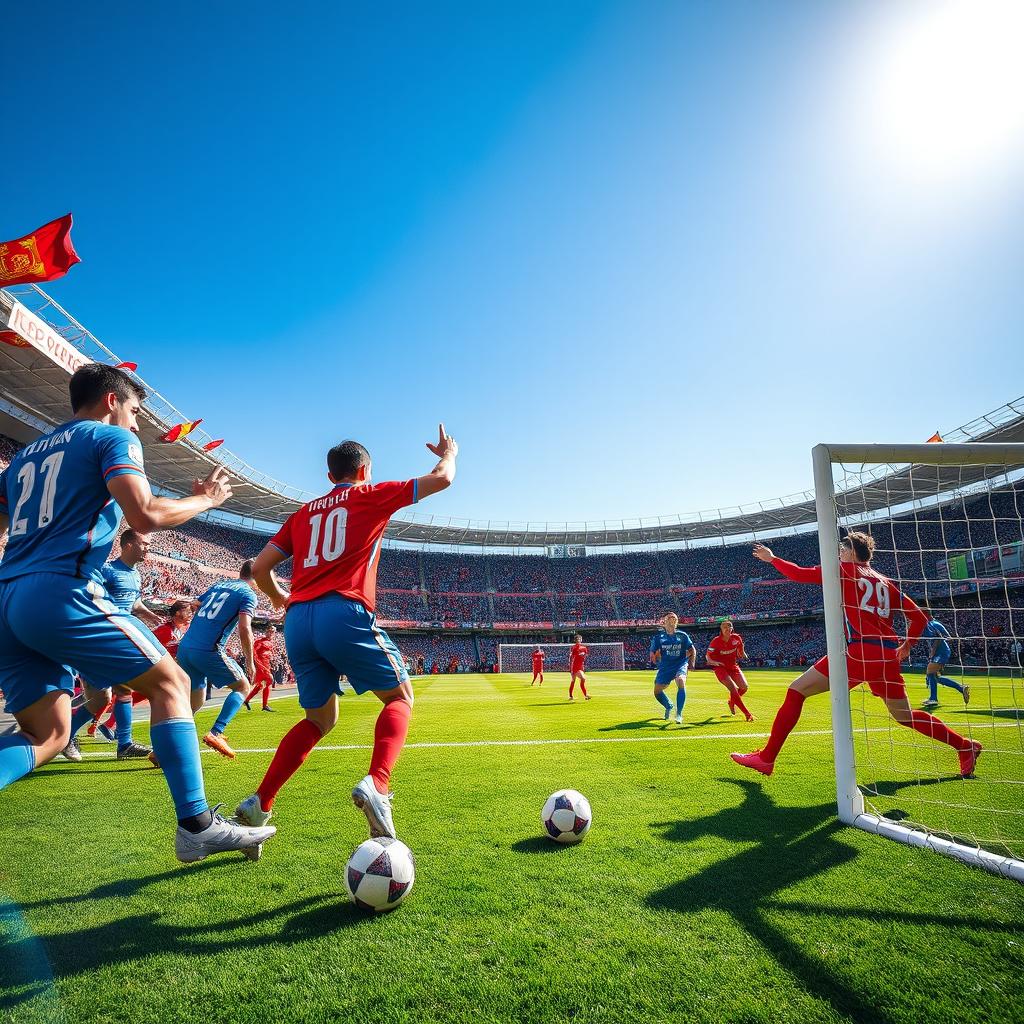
x: 538, y: 667
x: 262, y: 652
x: 331, y: 629
x: 873, y: 655
x: 723, y: 653
x: 179, y: 615
x: 577, y: 660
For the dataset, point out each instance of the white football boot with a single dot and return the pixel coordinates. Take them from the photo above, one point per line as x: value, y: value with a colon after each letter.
x: 376, y: 806
x: 249, y: 812
x: 679, y: 719
x: 220, y: 837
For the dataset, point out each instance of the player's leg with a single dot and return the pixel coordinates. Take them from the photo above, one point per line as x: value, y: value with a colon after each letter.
x: 44, y: 727
x: 540, y: 681
x: 268, y: 684
x: 572, y: 683
x: 928, y: 725
x: 813, y: 681
x: 583, y: 686
x: 740, y: 687
x: 722, y: 675
x: 127, y: 748
x: 680, y: 697
x: 935, y: 670
x: 225, y: 671
x: 931, y: 678
x: 95, y: 701
x: 660, y: 686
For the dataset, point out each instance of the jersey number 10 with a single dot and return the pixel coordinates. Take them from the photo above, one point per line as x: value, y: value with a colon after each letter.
x: 331, y: 544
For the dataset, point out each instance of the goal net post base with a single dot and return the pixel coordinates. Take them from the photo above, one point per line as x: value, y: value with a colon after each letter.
x: 601, y: 657
x: 929, y: 505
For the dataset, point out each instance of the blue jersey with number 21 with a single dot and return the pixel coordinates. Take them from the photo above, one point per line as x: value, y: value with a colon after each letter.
x: 62, y: 518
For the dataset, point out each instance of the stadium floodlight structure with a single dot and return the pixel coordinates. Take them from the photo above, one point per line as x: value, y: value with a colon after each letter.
x: 601, y: 657
x: 959, y: 546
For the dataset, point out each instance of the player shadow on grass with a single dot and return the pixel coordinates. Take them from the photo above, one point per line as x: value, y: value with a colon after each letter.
x: 793, y: 844
x: 659, y: 723
x: 24, y: 973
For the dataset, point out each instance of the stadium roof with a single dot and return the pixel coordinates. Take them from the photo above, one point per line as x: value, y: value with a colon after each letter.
x: 49, y: 343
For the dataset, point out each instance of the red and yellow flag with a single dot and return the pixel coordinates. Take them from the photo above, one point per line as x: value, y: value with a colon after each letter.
x: 936, y: 438
x: 44, y: 255
x: 210, y: 445
x: 180, y: 431
x: 14, y: 339
x: 127, y: 366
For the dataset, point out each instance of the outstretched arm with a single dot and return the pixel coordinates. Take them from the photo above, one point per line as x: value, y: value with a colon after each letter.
x: 691, y: 656
x: 442, y: 475
x: 796, y: 573
x: 916, y: 621
x: 146, y: 512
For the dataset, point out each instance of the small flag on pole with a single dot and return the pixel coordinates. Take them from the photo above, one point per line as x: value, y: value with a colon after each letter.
x: 210, y: 445
x: 44, y: 255
x: 180, y: 431
x: 132, y: 367
x: 936, y: 438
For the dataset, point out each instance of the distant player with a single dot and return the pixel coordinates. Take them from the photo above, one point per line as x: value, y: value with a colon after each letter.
x: 331, y: 628
x: 203, y: 655
x: 577, y: 662
x: 263, y: 651
x: 169, y: 633
x: 939, y: 654
x: 63, y: 497
x: 724, y: 651
x: 873, y: 654
x: 538, y: 667
x: 674, y: 655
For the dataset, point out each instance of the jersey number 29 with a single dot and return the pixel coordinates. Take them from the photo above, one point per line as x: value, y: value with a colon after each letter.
x: 878, y: 591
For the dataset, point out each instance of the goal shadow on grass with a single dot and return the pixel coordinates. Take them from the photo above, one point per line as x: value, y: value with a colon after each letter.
x: 793, y: 844
x: 24, y: 972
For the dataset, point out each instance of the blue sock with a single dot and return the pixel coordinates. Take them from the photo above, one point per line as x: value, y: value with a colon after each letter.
x: 123, y: 722
x: 933, y: 686
x: 17, y: 758
x: 946, y: 681
x: 228, y: 711
x: 680, y: 699
x: 662, y: 698
x: 177, y: 748
x: 79, y: 717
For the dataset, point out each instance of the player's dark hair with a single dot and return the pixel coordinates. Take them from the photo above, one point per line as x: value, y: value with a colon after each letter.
x: 579, y: 639
x: 178, y: 606
x: 344, y: 460
x: 128, y: 537
x: 91, y: 382
x: 245, y: 573
x: 863, y: 545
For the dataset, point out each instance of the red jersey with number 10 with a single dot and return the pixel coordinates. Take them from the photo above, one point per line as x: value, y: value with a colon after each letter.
x: 334, y: 541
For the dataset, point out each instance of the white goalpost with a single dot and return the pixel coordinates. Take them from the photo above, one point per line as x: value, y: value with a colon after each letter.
x: 603, y: 657
x: 946, y: 519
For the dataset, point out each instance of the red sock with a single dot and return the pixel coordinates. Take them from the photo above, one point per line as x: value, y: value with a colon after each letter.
x: 737, y: 700
x: 266, y: 694
x: 99, y: 714
x: 253, y: 692
x: 111, y: 722
x: 388, y: 739
x: 583, y: 685
x: 785, y: 719
x: 572, y: 686
x: 930, y: 726
x: 291, y: 752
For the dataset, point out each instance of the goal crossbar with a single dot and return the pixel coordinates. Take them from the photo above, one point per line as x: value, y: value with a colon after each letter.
x: 850, y: 799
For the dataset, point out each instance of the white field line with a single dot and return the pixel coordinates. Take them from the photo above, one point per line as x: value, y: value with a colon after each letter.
x: 455, y: 744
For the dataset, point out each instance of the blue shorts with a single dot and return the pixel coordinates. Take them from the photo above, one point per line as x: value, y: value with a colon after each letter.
x: 670, y: 673
x: 214, y: 667
x: 332, y: 636
x: 49, y: 622
x: 943, y: 654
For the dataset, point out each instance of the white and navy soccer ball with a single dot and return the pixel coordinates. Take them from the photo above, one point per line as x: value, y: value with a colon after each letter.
x: 566, y: 816
x: 380, y: 873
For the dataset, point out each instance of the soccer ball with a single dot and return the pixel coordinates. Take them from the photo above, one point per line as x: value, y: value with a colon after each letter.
x: 379, y: 874
x: 566, y: 816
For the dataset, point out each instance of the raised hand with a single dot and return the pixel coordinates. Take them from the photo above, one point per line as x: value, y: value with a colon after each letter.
x: 216, y: 487
x: 445, y: 445
x: 763, y: 553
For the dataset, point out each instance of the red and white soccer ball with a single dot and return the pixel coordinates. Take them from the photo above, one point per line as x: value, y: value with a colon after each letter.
x: 566, y: 816
x: 379, y: 874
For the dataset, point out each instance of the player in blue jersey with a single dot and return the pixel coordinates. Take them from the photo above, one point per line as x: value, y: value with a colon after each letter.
x: 226, y: 605
x: 61, y: 502
x: 939, y: 653
x: 674, y: 655
x: 123, y: 584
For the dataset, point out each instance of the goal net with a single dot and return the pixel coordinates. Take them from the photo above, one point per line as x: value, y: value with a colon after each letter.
x: 946, y: 520
x: 605, y: 657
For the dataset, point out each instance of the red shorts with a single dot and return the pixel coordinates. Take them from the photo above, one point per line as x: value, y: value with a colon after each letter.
x: 874, y: 665
x: 732, y: 673
x: 576, y: 668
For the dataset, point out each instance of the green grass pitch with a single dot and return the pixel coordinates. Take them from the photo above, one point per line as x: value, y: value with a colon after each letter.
x: 702, y: 893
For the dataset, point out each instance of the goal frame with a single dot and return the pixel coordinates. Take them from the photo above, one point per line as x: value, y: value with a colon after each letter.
x: 533, y: 647
x: 850, y: 800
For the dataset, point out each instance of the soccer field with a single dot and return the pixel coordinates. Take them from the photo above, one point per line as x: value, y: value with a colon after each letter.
x: 703, y: 892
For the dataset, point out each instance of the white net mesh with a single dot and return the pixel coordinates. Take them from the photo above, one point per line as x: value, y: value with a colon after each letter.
x: 602, y: 657
x: 951, y: 538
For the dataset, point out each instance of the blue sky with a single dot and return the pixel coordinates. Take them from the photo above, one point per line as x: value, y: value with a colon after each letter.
x: 639, y: 256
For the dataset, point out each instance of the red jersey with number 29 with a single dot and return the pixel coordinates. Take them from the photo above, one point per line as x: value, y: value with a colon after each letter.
x: 869, y: 599
x: 334, y: 541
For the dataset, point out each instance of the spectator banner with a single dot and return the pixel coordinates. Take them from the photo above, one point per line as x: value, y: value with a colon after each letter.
x: 43, y: 338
